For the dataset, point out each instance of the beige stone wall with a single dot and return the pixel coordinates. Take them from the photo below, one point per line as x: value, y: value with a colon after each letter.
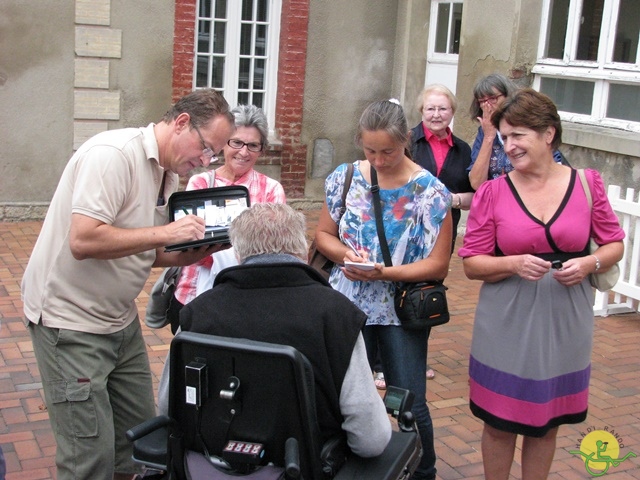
x: 410, y: 56
x: 36, y: 93
x: 350, y: 62
x: 69, y: 70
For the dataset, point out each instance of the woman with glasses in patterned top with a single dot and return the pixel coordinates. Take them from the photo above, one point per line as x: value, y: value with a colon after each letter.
x: 488, y: 160
x: 240, y: 154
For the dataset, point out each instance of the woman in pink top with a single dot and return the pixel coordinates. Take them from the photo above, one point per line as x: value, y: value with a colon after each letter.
x: 533, y: 331
x: 240, y: 156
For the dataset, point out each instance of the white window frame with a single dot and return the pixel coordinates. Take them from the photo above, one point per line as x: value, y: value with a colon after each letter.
x: 432, y: 55
x: 232, y: 55
x: 601, y: 72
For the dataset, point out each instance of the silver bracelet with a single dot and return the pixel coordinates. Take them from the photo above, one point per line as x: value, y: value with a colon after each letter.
x: 597, y: 263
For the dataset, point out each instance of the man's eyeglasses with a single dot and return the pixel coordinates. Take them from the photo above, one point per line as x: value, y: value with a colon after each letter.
x: 207, y: 152
x: 238, y: 144
x: 492, y: 100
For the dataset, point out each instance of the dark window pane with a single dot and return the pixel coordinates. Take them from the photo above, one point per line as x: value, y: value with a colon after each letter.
x: 258, y: 74
x: 263, y: 9
x: 205, y: 8
x: 243, y: 98
x: 590, y: 25
x: 204, y: 30
x: 557, y: 29
x: 624, y: 102
x: 627, y: 32
x: 247, y: 10
x: 217, y: 72
x: 244, y: 72
x: 221, y: 8
x: 261, y: 40
x: 245, y: 38
x: 219, y: 44
x: 202, y: 70
x: 258, y: 99
x: 569, y: 95
x: 454, y: 47
x: 442, y: 28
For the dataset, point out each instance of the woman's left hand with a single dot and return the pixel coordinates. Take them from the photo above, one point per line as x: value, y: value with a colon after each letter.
x: 355, y: 274
x: 574, y: 271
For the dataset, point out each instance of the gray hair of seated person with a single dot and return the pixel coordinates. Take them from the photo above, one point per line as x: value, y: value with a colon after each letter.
x: 269, y: 228
x: 252, y: 116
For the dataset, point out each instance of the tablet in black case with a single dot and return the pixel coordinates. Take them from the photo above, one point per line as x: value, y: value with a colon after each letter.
x: 218, y: 206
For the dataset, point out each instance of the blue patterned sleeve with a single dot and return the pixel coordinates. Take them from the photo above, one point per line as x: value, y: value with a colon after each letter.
x: 333, y: 187
x: 477, y: 143
x: 440, y: 201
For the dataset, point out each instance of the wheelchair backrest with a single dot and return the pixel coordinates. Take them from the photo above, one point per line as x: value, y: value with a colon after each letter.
x: 236, y: 390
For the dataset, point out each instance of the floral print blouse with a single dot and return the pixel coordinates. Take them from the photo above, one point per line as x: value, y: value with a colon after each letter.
x: 412, y: 218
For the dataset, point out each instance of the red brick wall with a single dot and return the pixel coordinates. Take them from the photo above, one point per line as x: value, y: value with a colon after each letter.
x: 183, y: 47
x: 291, y: 75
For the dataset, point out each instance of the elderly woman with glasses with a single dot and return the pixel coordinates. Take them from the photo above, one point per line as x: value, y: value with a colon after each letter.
x: 435, y: 148
x: 488, y: 159
x: 240, y: 156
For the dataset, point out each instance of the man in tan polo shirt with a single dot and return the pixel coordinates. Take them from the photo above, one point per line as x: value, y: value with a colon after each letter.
x: 105, y: 229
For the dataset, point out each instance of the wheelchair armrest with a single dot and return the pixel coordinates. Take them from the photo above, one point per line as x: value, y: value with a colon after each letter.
x: 399, y: 460
x: 147, y: 427
x: 334, y: 454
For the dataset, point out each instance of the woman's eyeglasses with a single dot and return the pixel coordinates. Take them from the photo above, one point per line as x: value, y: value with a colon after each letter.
x: 238, y: 144
x: 207, y: 152
x: 492, y: 100
x: 434, y: 110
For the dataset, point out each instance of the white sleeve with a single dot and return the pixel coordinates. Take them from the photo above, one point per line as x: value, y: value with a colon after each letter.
x: 206, y: 276
x: 365, y: 417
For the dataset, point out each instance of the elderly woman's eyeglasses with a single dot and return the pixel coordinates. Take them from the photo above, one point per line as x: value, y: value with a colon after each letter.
x: 207, y: 152
x: 434, y: 110
x: 238, y: 144
x: 492, y: 100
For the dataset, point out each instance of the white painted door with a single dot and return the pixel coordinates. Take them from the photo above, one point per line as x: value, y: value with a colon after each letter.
x: 444, y: 43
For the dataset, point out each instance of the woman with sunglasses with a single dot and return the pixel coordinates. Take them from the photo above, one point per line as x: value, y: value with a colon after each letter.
x: 241, y: 153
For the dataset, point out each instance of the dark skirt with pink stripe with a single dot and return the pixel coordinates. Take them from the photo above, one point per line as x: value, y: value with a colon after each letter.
x: 530, y: 355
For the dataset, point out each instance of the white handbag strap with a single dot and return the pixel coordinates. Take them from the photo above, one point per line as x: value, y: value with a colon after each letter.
x: 212, y: 178
x: 585, y: 186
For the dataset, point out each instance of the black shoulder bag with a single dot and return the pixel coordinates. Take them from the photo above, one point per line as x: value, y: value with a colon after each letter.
x: 316, y: 259
x: 418, y: 305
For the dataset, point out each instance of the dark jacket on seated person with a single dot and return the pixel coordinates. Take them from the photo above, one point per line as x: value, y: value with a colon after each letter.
x: 289, y: 303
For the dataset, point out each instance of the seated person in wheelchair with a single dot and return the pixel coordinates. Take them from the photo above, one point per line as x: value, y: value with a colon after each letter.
x: 274, y: 296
